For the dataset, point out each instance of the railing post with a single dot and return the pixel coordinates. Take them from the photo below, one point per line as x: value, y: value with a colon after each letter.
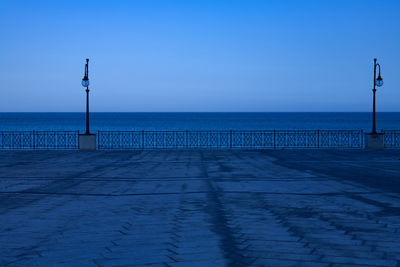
x: 362, y: 139
x: 209, y: 139
x: 33, y: 139
x: 252, y: 138
x: 318, y: 138
x: 142, y: 139
x: 187, y: 138
x: 230, y: 139
x: 274, y: 139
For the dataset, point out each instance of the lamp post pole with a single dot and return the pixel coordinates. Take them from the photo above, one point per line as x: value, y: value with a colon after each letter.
x: 85, y: 83
x: 87, y: 111
x: 377, y: 82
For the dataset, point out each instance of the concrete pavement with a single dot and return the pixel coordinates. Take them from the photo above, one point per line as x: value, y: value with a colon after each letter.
x: 200, y: 208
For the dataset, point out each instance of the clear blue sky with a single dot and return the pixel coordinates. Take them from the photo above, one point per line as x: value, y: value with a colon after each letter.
x: 199, y: 55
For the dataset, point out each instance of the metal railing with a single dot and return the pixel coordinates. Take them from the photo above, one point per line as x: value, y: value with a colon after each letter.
x: 391, y: 138
x: 40, y: 140
x: 263, y: 139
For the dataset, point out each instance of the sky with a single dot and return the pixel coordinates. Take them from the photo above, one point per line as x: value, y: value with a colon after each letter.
x: 199, y: 56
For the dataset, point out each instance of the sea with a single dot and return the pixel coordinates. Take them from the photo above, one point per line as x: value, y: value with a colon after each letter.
x: 160, y: 121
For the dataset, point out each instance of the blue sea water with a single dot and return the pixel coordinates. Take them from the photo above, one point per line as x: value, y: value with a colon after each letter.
x: 197, y: 121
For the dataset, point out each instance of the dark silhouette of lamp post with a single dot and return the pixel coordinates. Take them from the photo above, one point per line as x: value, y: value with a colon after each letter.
x: 377, y: 82
x: 85, y: 83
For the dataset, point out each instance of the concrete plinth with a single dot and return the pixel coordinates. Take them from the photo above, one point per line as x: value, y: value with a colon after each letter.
x: 87, y: 142
x: 374, y: 141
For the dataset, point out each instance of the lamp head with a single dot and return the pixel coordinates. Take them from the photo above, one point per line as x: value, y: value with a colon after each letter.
x: 379, y: 81
x: 85, y: 81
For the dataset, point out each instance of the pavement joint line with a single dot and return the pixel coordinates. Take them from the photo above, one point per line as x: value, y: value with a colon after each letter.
x: 144, y: 178
x: 95, y: 262
x: 171, y: 258
x: 173, y: 252
x: 178, y: 193
x: 172, y: 244
x: 372, y: 167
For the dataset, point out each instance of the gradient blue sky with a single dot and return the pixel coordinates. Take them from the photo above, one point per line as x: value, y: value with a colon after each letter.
x: 199, y: 55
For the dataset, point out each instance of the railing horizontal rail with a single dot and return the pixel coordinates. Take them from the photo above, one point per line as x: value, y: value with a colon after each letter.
x: 38, y: 140
x: 238, y: 139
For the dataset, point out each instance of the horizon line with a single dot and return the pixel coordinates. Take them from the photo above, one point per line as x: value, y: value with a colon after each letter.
x: 199, y: 112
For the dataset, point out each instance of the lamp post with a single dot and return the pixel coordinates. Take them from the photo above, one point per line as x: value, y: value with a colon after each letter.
x: 87, y: 141
x: 377, y: 82
x: 85, y: 83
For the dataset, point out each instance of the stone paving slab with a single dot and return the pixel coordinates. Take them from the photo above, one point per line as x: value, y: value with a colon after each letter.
x: 200, y: 208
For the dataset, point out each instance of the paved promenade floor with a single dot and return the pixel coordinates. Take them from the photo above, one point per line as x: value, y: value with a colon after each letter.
x: 200, y: 208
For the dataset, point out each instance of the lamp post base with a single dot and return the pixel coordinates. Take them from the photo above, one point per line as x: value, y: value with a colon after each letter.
x: 87, y: 142
x: 374, y: 141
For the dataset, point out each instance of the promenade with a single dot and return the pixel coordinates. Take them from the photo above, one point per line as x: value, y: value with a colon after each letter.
x: 200, y: 208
